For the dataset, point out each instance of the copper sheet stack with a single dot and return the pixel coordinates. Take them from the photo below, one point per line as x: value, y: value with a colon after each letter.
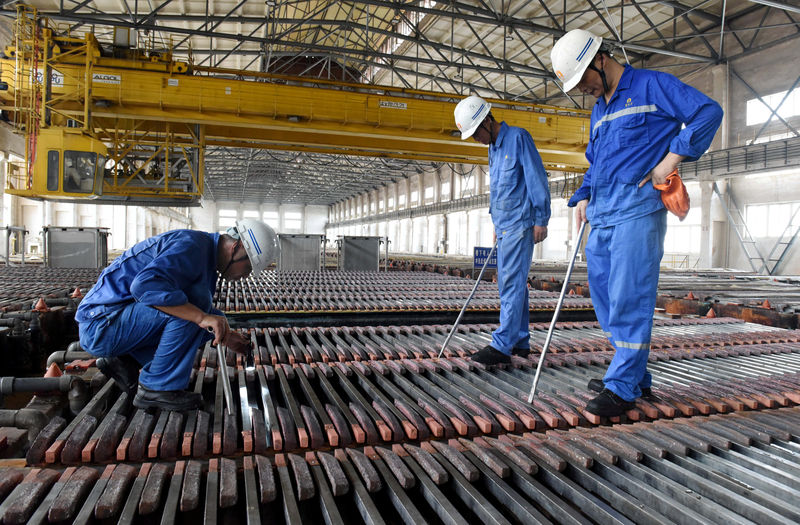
x: 364, y: 424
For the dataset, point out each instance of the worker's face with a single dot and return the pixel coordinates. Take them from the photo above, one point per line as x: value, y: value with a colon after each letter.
x: 591, y: 82
x: 482, y: 134
x: 239, y: 266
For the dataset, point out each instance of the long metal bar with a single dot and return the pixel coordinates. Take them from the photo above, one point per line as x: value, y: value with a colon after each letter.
x: 555, y: 314
x: 474, y: 289
x: 223, y: 374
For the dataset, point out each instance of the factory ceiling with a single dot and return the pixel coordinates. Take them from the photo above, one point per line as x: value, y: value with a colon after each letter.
x: 498, y: 49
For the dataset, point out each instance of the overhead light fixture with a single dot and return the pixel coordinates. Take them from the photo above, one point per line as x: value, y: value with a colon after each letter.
x: 455, y: 133
x: 270, y: 3
x: 509, y: 36
x: 294, y: 118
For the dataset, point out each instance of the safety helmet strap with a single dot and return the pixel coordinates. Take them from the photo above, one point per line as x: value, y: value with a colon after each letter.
x: 600, y: 72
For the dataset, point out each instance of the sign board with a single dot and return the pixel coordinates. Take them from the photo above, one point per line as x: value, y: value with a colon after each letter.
x: 392, y: 104
x: 106, y: 78
x: 56, y: 77
x: 479, y: 256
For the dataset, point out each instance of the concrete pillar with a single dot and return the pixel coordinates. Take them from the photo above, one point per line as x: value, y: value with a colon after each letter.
x: 452, y: 184
x: 721, y: 234
x: 706, y: 238
x: 721, y: 93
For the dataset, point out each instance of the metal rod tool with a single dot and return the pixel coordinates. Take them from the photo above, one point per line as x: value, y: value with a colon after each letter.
x: 226, y: 382
x: 555, y: 314
x: 223, y: 373
x: 461, y: 314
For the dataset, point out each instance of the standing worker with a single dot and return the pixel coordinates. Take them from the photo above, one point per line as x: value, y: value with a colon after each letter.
x: 153, y: 307
x: 636, y: 141
x: 520, y: 208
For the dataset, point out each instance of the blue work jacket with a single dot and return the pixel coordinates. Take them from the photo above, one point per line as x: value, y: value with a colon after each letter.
x: 170, y: 269
x: 632, y: 133
x: 518, y: 189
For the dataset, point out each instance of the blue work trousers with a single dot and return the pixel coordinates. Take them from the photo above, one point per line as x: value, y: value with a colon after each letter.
x: 514, y: 252
x: 163, y: 344
x: 623, y: 264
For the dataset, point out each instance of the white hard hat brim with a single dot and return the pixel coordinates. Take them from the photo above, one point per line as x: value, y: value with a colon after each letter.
x: 467, y: 133
x: 575, y: 80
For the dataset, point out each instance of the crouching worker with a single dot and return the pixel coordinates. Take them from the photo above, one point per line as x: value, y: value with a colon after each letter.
x: 153, y: 307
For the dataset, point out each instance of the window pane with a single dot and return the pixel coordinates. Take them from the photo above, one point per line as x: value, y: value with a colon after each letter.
x: 779, y: 215
x: 227, y: 213
x: 757, y: 215
x: 227, y: 222
x: 52, y: 170
x: 250, y: 214
x: 79, y: 169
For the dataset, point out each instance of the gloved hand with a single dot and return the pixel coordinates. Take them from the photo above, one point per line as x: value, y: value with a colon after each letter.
x: 674, y: 195
x: 237, y: 342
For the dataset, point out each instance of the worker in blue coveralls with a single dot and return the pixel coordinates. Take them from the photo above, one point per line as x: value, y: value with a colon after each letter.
x: 519, y: 203
x: 636, y: 140
x: 153, y: 307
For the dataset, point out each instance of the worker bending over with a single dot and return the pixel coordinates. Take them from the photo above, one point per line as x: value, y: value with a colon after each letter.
x: 153, y: 307
x: 636, y: 140
x: 519, y: 203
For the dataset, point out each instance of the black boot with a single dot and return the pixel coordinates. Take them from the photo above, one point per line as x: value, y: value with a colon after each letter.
x: 597, y: 385
x: 608, y: 404
x: 177, y: 400
x: 124, y: 370
x: 521, y: 352
x: 490, y: 356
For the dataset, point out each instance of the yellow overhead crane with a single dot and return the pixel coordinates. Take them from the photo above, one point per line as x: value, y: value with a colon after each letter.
x: 131, y: 126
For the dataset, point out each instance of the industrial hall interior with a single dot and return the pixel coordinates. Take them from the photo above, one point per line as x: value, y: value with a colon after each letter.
x: 400, y: 261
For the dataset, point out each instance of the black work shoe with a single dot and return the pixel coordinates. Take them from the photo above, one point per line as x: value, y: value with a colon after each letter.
x: 177, y: 400
x: 597, y: 385
x: 124, y: 370
x: 490, y: 356
x: 521, y: 352
x: 608, y: 404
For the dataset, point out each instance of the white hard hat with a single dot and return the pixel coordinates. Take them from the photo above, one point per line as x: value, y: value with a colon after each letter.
x: 260, y: 243
x: 469, y: 114
x: 572, y: 54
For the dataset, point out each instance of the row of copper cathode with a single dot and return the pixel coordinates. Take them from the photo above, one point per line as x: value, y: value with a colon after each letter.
x: 322, y: 291
x: 731, y: 468
x: 342, y: 402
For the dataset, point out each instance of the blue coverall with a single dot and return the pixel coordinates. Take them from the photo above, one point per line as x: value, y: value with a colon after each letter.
x: 519, y: 199
x: 118, y: 317
x: 630, y: 135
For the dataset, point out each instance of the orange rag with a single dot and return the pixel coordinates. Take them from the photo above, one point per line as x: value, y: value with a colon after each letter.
x: 674, y: 195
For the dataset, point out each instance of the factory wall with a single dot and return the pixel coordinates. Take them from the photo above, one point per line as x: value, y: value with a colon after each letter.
x: 284, y: 218
x: 767, y: 202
